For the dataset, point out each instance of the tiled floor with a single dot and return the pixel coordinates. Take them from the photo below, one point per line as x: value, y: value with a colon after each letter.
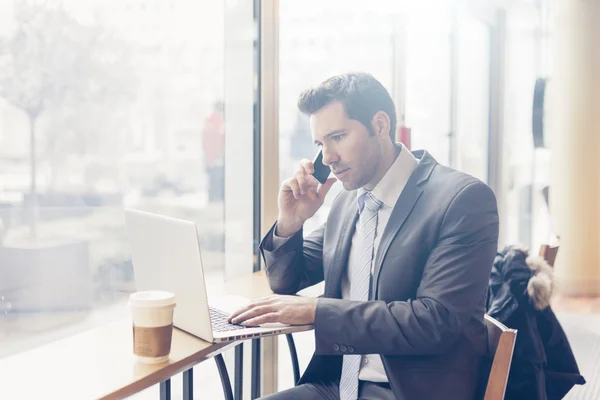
x: 579, y: 305
x: 580, y: 318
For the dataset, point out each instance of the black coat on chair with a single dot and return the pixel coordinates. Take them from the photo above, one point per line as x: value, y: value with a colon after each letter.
x: 543, y: 365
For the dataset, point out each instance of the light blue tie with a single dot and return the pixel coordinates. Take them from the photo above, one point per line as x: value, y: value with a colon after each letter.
x: 360, y: 276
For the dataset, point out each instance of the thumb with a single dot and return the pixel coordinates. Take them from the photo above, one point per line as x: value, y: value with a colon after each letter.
x: 324, y: 188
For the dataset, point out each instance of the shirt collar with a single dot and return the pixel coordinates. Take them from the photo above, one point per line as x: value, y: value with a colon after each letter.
x: 388, y: 189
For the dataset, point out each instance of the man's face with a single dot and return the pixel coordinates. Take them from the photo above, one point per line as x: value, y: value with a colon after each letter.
x: 350, y: 151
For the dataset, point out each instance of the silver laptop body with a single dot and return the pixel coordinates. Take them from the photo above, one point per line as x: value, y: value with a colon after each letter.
x: 166, y: 255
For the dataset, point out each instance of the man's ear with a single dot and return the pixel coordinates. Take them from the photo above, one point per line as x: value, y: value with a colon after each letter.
x: 381, y: 124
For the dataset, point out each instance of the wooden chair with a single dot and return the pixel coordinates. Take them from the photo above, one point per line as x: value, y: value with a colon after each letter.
x: 501, y: 343
x: 548, y: 252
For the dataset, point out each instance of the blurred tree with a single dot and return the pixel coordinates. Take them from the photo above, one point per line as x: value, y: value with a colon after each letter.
x: 52, y: 62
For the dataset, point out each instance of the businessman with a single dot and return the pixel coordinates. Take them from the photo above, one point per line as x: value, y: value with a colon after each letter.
x: 406, y: 253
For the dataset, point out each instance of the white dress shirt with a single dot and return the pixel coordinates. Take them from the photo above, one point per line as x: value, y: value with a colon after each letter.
x: 387, y: 191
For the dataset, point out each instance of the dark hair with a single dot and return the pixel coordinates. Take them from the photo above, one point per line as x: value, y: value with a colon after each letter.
x: 361, y: 94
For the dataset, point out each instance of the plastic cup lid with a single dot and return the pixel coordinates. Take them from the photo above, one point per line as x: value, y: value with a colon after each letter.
x: 152, y: 298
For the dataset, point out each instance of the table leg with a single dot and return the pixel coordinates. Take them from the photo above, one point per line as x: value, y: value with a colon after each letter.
x: 255, y: 384
x: 165, y: 390
x: 225, y: 381
x: 294, y: 354
x: 188, y: 384
x: 239, y: 372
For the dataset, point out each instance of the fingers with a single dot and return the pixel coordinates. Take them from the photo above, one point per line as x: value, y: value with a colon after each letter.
x: 256, y: 303
x: 324, y: 188
x: 308, y: 166
x: 306, y: 182
x: 237, y: 313
x: 302, y: 179
x: 263, y: 319
x: 253, y: 313
x: 302, y: 183
x: 292, y: 185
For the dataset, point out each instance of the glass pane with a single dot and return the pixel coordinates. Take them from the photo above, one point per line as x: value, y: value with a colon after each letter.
x: 428, y: 80
x: 473, y: 97
x: 526, y: 170
x: 344, y: 36
x: 106, y: 105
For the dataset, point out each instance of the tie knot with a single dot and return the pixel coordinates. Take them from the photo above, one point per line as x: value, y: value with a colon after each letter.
x: 370, y: 201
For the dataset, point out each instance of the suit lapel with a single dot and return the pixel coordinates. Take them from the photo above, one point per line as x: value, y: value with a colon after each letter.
x: 403, y: 208
x: 341, y: 253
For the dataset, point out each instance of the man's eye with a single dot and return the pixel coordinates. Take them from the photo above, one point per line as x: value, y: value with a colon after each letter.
x: 337, y: 138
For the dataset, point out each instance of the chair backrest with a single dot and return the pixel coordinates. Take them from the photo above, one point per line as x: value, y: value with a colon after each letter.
x: 548, y: 253
x: 501, y: 343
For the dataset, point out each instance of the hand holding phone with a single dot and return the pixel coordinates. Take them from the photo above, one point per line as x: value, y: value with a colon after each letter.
x: 300, y: 197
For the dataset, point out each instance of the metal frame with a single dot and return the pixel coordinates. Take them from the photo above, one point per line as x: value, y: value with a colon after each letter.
x: 255, y: 389
x: 225, y: 381
x: 453, y: 88
x: 188, y: 384
x: 264, y: 351
x: 294, y: 355
x: 257, y: 142
x: 258, y: 190
x: 496, y: 111
x: 188, y: 375
x: 238, y: 374
x: 494, y: 18
x: 493, y: 15
x: 165, y: 389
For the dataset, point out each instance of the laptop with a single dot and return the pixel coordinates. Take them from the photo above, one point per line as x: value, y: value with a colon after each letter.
x: 166, y: 255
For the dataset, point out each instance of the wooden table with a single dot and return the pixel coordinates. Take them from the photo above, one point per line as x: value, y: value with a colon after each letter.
x: 99, y: 364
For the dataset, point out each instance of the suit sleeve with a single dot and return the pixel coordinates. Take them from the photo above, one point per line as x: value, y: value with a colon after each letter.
x: 454, y: 282
x: 295, y: 264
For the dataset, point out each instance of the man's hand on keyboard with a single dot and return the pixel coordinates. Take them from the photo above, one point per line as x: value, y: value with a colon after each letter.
x: 292, y: 310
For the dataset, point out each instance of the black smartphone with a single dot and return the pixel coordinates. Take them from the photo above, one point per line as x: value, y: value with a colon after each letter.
x: 322, y: 171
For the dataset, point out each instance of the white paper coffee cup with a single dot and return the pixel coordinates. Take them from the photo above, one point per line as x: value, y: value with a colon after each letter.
x: 152, y: 314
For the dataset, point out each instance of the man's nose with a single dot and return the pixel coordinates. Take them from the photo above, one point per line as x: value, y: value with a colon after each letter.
x: 329, y: 157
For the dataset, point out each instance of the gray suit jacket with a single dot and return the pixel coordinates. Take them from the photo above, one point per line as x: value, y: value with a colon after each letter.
x: 428, y: 289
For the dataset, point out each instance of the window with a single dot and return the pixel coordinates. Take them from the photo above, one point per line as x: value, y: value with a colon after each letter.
x: 526, y: 169
x: 472, y: 97
x: 104, y: 107
x: 343, y: 37
x: 428, y: 80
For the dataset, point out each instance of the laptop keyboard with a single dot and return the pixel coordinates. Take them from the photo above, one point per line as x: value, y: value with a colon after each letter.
x: 219, y: 321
